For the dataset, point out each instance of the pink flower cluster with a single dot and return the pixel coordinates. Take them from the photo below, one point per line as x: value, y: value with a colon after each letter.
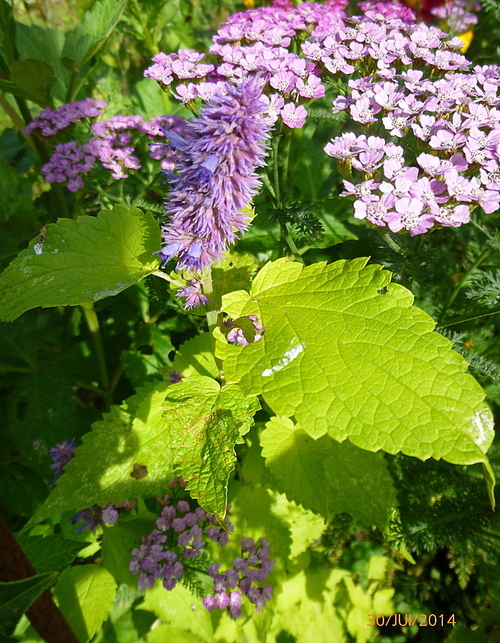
x: 256, y: 43
x: 450, y: 161
x: 113, y: 147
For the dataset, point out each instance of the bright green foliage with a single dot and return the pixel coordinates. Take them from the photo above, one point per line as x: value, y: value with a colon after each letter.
x: 207, y: 422
x: 81, y: 262
x: 326, y: 476
x: 49, y: 553
x: 101, y: 471
x: 91, y: 33
x: 182, y: 610
x: 17, y: 596
x: 345, y: 353
x: 85, y: 595
x: 259, y: 512
x: 234, y: 272
x: 196, y: 357
x: 33, y: 78
x: 190, y: 428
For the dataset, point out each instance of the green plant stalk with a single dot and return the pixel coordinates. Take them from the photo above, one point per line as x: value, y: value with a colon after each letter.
x: 95, y: 331
x: 461, y: 283
x: 276, y: 178
x: 286, y: 235
x: 213, y: 314
x: 392, y: 243
x: 468, y: 317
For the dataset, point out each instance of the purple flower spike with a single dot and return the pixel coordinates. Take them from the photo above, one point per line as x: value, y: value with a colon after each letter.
x: 217, y: 158
x: 61, y: 454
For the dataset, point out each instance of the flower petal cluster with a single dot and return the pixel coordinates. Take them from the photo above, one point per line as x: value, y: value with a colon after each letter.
x: 247, y: 577
x: 217, y: 157
x: 113, y: 147
x: 236, y: 335
x: 452, y: 125
x: 52, y: 121
x: 179, y: 538
x: 61, y: 454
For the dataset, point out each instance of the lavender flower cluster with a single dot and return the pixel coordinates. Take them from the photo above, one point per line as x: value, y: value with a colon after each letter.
x: 235, y: 334
x: 216, y: 161
x: 459, y: 15
x: 181, y: 536
x: 252, y: 567
x: 112, y: 146
x: 286, y: 78
x: 52, y: 121
x: 92, y: 517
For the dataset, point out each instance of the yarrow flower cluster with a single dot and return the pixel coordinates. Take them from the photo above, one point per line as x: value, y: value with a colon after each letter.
x: 452, y: 123
x: 247, y: 577
x: 92, y: 517
x: 459, y: 15
x: 216, y: 161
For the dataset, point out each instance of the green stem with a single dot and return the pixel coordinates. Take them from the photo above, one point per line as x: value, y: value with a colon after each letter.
x: 213, y: 314
x: 267, y: 183
x: 287, y: 236
x: 163, y: 275
x: 95, y: 331
x: 461, y: 283
x: 13, y: 115
x: 276, y: 174
x: 468, y: 317
x: 392, y: 243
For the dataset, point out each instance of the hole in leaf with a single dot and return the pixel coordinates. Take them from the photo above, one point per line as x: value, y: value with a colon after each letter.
x: 382, y: 291
x: 140, y: 471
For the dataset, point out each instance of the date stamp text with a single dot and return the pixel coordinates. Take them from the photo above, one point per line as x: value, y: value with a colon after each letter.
x: 409, y: 620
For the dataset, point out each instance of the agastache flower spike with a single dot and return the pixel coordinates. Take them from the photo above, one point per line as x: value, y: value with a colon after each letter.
x: 217, y: 159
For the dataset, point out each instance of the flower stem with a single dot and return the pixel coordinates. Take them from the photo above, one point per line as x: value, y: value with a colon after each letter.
x: 95, y: 331
x: 392, y: 243
x: 469, y: 317
x: 212, y: 315
x: 460, y: 284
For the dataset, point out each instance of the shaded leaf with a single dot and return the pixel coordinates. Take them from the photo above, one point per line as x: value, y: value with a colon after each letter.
x: 17, y: 596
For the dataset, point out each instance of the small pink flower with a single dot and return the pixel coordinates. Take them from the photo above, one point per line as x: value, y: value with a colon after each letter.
x: 293, y: 115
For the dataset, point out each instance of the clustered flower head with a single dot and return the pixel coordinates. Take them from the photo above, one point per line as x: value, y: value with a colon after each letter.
x: 181, y: 536
x: 217, y: 157
x: 247, y: 577
x: 113, y: 145
x: 235, y: 334
x: 177, y: 539
x: 255, y: 43
x: 96, y: 516
x: 459, y: 15
x: 52, y: 121
x: 61, y: 454
x: 448, y: 163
